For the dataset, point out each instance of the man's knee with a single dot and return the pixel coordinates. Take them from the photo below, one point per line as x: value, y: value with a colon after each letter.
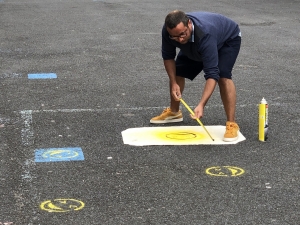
x: 223, y: 80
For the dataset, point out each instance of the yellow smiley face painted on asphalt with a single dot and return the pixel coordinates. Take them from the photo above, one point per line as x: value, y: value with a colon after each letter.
x: 60, y: 154
x: 225, y: 171
x: 62, y: 205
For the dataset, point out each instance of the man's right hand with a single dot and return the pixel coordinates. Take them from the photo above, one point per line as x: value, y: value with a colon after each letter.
x: 176, y: 94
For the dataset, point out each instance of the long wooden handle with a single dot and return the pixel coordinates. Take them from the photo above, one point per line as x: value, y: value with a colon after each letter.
x: 198, y: 120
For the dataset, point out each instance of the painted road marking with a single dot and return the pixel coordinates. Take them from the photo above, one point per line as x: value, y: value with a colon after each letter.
x: 59, y: 154
x: 9, y: 75
x: 62, y: 205
x: 42, y: 76
x: 27, y: 131
x: 225, y: 171
x: 129, y: 108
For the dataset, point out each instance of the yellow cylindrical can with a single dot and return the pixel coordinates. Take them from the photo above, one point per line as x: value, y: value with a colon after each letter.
x: 263, y: 120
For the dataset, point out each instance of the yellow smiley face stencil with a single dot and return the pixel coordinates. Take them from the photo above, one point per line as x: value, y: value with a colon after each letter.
x: 176, y: 135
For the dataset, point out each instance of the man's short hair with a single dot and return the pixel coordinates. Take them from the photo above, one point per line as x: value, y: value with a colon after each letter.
x: 176, y: 17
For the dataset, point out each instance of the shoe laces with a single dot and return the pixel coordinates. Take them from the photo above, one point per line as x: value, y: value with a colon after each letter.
x: 166, y: 110
x: 229, y: 127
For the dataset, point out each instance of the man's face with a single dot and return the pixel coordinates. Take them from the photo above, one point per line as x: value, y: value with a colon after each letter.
x: 181, y: 33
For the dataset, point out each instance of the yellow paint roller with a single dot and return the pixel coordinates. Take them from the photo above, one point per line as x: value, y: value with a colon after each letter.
x: 191, y: 111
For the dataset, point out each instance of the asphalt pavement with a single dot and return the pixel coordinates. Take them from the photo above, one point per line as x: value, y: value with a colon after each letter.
x: 75, y: 73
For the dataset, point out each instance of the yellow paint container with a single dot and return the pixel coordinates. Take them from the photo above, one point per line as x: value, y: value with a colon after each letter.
x: 263, y: 120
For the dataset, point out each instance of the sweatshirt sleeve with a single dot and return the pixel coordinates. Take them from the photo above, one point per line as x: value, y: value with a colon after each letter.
x: 209, y: 51
x: 168, y: 50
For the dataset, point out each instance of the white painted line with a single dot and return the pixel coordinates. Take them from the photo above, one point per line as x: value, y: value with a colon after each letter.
x: 92, y: 110
x: 118, y: 109
x: 9, y: 75
x: 26, y: 170
x: 29, y: 164
x: 27, y: 131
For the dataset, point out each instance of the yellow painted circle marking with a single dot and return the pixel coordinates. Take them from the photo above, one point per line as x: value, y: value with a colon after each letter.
x: 225, y: 171
x: 181, y: 135
x: 60, y: 154
x: 62, y: 205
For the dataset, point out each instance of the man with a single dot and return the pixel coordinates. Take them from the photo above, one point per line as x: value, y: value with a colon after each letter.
x: 208, y: 42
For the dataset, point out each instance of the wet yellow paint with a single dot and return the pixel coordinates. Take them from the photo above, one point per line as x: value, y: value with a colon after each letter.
x: 61, y: 205
x: 181, y: 136
x: 225, y: 171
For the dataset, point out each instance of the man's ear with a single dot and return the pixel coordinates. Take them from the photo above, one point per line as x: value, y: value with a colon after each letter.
x: 190, y: 23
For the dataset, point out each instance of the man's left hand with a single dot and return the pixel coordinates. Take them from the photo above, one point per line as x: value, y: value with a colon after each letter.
x: 199, y: 110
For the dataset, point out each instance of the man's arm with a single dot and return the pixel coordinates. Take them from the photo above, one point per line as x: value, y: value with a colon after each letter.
x: 207, y: 92
x: 209, y: 51
x: 171, y: 71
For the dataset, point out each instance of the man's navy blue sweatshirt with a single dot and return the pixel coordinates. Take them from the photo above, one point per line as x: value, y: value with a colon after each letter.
x: 211, y: 31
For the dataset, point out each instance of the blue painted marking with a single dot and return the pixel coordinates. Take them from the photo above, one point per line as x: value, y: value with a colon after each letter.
x: 42, y: 76
x: 59, y: 154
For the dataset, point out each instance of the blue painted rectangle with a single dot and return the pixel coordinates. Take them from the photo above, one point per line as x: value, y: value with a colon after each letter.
x: 42, y: 76
x: 59, y: 154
